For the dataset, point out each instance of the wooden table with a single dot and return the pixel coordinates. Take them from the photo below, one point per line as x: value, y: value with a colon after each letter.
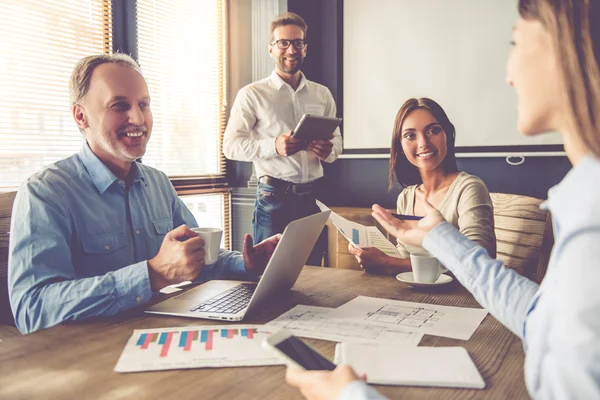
x: 76, y: 360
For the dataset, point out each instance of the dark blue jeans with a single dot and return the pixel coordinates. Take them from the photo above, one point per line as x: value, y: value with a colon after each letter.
x: 274, y: 210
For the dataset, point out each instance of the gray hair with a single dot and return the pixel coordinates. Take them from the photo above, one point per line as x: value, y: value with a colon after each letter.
x: 79, y: 83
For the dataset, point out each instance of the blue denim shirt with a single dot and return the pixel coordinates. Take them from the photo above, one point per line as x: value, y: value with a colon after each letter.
x: 80, y: 240
x: 559, y: 320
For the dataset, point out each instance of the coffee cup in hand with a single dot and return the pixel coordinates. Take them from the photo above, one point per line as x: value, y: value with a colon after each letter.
x: 426, y: 268
x: 212, y: 242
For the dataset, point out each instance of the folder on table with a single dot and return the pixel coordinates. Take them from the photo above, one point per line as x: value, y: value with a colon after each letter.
x: 411, y: 366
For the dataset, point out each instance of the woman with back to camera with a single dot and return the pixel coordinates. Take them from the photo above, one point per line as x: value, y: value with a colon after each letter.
x: 422, y: 159
x: 555, y: 69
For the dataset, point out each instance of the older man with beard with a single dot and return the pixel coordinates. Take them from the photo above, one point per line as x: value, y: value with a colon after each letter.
x: 99, y: 232
x: 260, y: 130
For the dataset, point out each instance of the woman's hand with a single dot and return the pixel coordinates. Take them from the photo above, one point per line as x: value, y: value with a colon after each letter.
x: 371, y: 259
x: 409, y: 231
x: 321, y: 385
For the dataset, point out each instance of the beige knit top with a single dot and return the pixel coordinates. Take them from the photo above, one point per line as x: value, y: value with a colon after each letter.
x: 467, y: 205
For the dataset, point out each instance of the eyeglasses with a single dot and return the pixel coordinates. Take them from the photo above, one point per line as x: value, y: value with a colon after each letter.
x: 283, y: 44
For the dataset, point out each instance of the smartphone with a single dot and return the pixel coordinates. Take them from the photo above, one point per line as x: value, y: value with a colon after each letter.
x: 407, y: 217
x: 297, y: 352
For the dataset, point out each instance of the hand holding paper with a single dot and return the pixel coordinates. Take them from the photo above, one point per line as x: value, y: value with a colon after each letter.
x: 359, y: 235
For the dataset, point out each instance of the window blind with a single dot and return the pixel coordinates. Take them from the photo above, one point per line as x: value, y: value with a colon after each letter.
x: 41, y: 42
x: 182, y: 52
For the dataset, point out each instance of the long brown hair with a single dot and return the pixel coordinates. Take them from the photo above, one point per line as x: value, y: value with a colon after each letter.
x: 406, y: 173
x: 574, y: 26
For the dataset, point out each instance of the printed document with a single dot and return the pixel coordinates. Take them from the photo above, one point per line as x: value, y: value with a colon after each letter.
x: 195, y: 347
x: 411, y: 366
x: 316, y: 323
x: 359, y: 235
x: 431, y: 319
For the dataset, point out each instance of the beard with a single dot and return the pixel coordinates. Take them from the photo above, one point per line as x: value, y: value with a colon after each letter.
x: 121, y: 148
x: 290, y: 69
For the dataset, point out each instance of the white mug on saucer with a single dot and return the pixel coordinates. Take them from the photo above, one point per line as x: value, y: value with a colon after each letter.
x: 212, y: 242
x: 426, y: 268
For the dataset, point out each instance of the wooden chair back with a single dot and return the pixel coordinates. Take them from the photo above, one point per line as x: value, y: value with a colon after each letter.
x: 524, y: 236
x: 6, y: 204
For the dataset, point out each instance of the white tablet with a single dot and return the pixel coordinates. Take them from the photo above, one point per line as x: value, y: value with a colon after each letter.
x: 314, y: 127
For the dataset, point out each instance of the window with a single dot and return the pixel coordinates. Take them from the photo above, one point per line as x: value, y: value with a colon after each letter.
x: 41, y: 42
x: 181, y: 47
x: 210, y: 210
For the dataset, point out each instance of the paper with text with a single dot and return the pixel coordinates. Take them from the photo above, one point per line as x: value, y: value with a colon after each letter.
x: 195, y: 347
x: 411, y: 366
x: 359, y: 235
x: 316, y: 323
x: 452, y: 322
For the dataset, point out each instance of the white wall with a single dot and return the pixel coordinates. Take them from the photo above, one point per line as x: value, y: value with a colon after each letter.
x: 452, y: 51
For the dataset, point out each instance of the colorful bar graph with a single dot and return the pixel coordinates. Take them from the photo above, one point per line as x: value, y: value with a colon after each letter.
x: 186, y: 338
x: 149, y: 339
x: 355, y: 236
x: 209, y: 340
x: 206, y: 336
x: 183, y: 339
x: 141, y: 339
x: 248, y: 333
x: 165, y: 340
x: 188, y: 342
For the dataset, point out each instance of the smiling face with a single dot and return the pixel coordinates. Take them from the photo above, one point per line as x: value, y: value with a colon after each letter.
x: 423, y: 140
x: 115, y: 115
x: 287, y: 61
x: 533, y: 71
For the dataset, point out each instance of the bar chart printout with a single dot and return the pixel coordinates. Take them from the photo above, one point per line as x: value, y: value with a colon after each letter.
x: 194, y: 347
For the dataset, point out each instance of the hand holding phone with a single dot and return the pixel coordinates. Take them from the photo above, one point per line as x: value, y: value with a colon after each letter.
x: 297, y: 352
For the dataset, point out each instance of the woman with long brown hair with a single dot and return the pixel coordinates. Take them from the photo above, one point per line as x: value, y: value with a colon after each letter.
x: 555, y: 70
x: 422, y: 160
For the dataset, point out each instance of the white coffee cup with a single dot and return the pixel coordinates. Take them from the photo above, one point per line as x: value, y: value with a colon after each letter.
x: 426, y: 268
x: 212, y: 242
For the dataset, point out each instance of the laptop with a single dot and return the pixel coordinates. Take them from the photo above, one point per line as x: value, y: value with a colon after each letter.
x: 233, y: 300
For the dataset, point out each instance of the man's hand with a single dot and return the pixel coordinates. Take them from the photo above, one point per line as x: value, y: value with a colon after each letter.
x: 257, y: 257
x: 286, y: 145
x: 408, y: 231
x: 321, y: 385
x: 322, y: 148
x: 177, y: 260
x: 371, y: 259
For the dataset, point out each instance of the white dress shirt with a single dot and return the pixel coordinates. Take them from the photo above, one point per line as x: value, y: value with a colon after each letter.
x: 268, y: 108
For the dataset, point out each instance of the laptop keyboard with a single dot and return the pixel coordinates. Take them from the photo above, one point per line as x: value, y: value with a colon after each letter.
x: 228, y: 302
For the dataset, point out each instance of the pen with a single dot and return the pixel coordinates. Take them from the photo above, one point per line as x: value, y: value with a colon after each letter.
x: 407, y: 217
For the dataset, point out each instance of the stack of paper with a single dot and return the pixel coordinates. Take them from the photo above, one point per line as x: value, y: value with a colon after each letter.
x: 452, y: 322
x: 411, y: 366
x: 317, y: 323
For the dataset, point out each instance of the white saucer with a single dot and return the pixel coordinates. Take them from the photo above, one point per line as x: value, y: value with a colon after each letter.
x: 407, y: 277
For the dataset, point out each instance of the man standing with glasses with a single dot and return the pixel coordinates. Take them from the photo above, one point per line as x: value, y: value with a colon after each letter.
x: 260, y: 130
